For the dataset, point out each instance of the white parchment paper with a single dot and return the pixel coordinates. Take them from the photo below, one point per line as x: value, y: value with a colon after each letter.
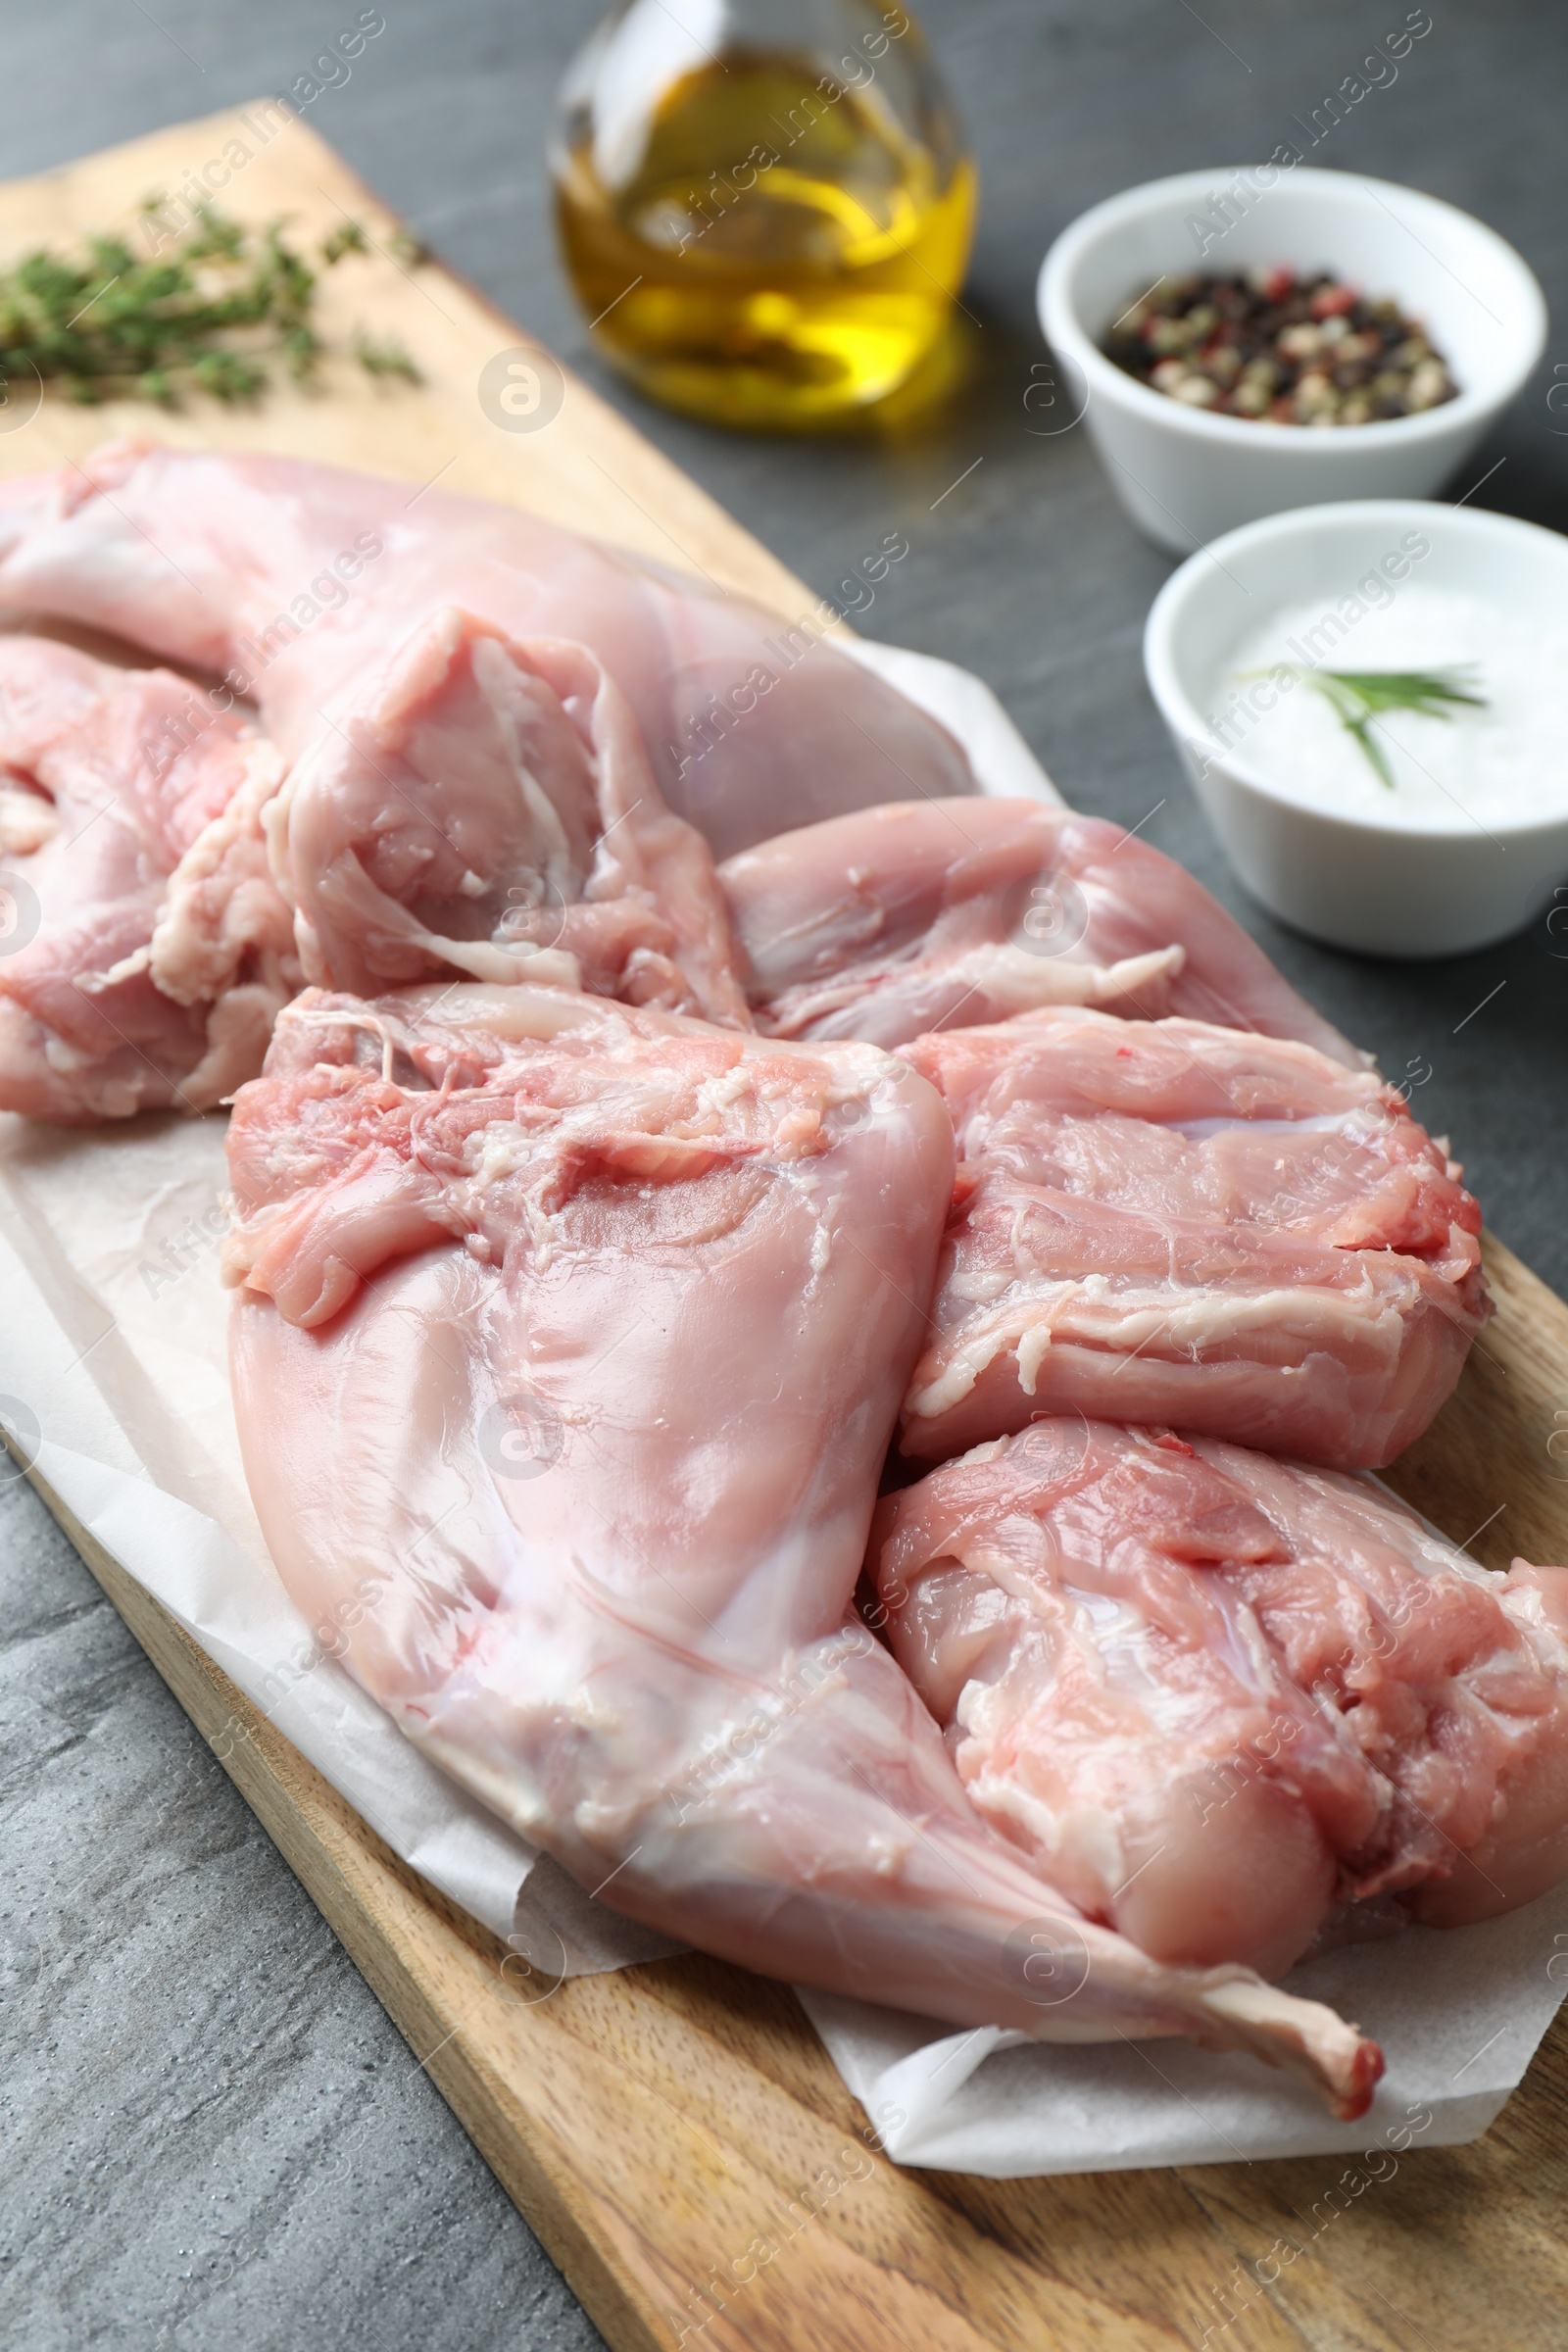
x: 114, y: 1379
x: 1459, y: 2013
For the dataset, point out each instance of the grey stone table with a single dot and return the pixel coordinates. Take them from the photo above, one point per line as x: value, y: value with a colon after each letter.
x: 213, y: 2135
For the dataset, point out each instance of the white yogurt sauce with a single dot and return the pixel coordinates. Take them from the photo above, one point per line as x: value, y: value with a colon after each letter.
x: 1509, y: 760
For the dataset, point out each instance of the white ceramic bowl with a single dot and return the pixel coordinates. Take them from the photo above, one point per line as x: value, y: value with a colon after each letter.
x: 1184, y: 475
x: 1384, y: 888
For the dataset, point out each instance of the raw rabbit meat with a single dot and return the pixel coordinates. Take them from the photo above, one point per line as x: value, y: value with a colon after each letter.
x: 924, y: 914
x: 293, y: 579
x: 149, y: 950
x: 568, y: 1346
x: 1165, y: 1221
x: 1212, y: 1694
x: 486, y: 807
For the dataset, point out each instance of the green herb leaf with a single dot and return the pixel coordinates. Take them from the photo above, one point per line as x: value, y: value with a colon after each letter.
x: 384, y: 357
x: 1424, y: 691
x: 1359, y: 696
x: 349, y: 238
x: 214, y: 318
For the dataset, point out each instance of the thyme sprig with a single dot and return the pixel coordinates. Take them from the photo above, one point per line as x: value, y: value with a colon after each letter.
x: 217, y: 318
x: 1360, y: 696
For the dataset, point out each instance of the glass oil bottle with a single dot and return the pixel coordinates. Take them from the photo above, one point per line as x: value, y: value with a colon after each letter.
x: 764, y: 205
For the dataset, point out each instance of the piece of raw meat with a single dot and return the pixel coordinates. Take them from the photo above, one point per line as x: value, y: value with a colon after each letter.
x: 1211, y: 1693
x: 1165, y: 1221
x: 568, y: 1346
x: 486, y: 808
x: 292, y: 581
x: 922, y: 915
x: 148, y: 949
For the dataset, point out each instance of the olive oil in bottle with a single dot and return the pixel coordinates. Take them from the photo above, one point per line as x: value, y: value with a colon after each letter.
x: 764, y: 205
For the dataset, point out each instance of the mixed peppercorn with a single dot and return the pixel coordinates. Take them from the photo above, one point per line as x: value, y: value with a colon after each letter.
x: 1270, y: 345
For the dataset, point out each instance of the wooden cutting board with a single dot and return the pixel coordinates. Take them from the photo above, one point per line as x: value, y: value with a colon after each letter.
x: 652, y: 2125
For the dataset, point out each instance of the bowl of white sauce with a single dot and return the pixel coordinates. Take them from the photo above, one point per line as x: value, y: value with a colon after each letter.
x: 1371, y: 701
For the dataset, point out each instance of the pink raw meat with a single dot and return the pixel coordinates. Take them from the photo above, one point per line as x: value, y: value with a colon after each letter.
x: 153, y: 950
x: 487, y: 807
x: 1165, y: 1221
x: 1211, y: 1693
x: 924, y: 914
x: 295, y: 579
x: 568, y: 1347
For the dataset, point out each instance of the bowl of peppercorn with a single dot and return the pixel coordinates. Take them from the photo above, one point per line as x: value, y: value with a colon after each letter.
x: 1243, y: 342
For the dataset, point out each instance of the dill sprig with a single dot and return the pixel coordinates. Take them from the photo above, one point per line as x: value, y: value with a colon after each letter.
x: 215, y: 319
x: 1360, y: 696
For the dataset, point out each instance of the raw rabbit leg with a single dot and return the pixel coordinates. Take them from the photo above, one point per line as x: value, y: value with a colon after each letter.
x: 1165, y: 1221
x: 1211, y: 1694
x: 487, y: 807
x: 159, y: 948
x: 295, y: 578
x: 928, y: 914
x: 569, y: 1343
